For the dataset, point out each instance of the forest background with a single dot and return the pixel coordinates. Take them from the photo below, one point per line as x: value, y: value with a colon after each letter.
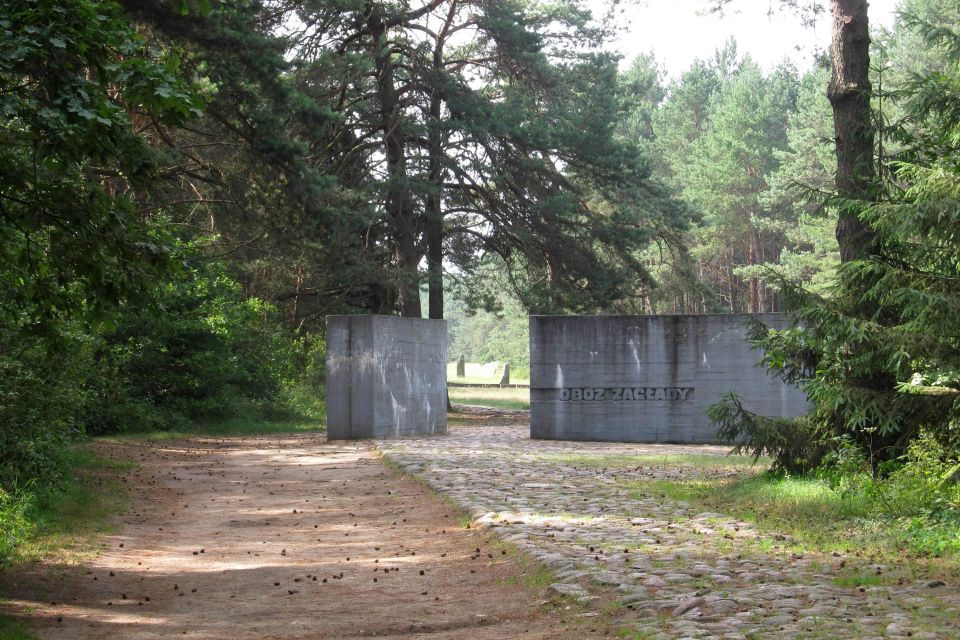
x: 188, y: 187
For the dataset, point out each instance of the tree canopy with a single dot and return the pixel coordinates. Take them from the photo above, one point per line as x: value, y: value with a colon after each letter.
x: 187, y: 188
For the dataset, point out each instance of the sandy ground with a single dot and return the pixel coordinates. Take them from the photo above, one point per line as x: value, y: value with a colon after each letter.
x: 465, y: 415
x: 284, y: 537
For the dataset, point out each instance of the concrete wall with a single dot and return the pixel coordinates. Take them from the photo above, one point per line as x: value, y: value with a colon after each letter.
x: 645, y: 378
x: 386, y: 377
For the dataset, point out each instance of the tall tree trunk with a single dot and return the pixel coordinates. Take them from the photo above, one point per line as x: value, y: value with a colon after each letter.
x: 434, y: 231
x: 754, y: 282
x: 434, y: 222
x: 849, y: 95
x: 731, y: 281
x: 399, y: 201
x: 295, y: 320
x: 551, y: 305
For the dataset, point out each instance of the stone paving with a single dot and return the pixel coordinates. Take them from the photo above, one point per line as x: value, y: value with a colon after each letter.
x: 686, y: 574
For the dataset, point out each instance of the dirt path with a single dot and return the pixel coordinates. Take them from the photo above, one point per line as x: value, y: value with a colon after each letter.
x: 284, y: 537
x: 478, y: 416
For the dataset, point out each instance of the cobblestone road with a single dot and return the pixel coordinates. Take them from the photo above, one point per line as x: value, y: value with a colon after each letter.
x: 685, y: 573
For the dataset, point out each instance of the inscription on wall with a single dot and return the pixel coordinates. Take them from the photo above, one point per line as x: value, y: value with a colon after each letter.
x: 647, y: 378
x: 669, y: 394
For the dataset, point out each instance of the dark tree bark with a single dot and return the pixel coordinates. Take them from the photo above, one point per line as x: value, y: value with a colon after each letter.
x: 434, y: 218
x: 434, y: 231
x: 849, y: 94
x: 399, y: 200
x: 754, y: 284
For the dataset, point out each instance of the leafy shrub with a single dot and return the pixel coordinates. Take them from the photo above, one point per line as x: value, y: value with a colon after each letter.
x: 43, y: 397
x: 199, y: 350
x: 919, y: 493
x: 924, y: 492
x: 845, y: 469
x: 519, y: 372
x: 928, y: 482
x: 303, y: 390
x: 15, y: 525
x: 314, y: 364
x: 931, y: 534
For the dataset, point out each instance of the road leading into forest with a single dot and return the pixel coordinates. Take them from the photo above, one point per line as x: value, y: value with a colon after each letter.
x: 285, y: 537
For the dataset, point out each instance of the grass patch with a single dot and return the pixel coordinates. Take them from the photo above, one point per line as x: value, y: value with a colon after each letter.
x: 513, y: 581
x: 11, y: 629
x: 68, y: 520
x: 477, y: 373
x: 862, y: 580
x: 566, y: 516
x: 625, y: 461
x: 538, y: 576
x: 502, y: 545
x: 238, y: 426
x: 805, y: 508
x: 491, y: 397
x: 687, y: 491
x: 535, y: 574
x: 637, y: 634
x: 816, y: 517
x: 15, y: 523
x: 480, y: 420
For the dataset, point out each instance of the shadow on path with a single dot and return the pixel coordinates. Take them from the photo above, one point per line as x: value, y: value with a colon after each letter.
x: 280, y: 537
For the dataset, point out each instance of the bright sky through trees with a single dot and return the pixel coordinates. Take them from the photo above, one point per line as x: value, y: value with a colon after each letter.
x: 679, y: 31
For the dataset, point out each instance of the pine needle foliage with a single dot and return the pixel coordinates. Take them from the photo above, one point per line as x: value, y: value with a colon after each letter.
x: 878, y: 354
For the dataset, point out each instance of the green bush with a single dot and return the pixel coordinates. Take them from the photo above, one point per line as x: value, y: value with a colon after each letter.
x: 15, y: 525
x: 925, y: 494
x: 199, y: 350
x: 846, y: 469
x: 928, y: 482
x: 919, y: 493
x: 304, y: 388
x: 519, y: 372
x: 43, y: 398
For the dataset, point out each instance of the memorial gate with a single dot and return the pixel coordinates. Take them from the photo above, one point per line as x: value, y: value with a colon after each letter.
x: 646, y: 378
x: 386, y: 377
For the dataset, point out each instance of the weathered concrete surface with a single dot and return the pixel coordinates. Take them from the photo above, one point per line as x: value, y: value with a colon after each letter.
x: 386, y: 377
x: 646, y: 378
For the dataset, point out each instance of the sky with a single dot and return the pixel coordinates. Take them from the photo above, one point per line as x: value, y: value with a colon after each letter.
x: 678, y: 35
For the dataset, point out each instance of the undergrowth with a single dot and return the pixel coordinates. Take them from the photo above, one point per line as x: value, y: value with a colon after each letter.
x: 11, y: 629
x: 237, y: 426
x: 15, y: 523
x: 912, y: 510
x: 63, y: 519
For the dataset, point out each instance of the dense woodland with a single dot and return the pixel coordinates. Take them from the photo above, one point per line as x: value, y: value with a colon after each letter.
x: 187, y: 187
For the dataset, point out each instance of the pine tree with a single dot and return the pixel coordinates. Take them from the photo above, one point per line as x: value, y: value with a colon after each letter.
x: 487, y: 128
x: 890, y: 315
x: 799, y: 187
